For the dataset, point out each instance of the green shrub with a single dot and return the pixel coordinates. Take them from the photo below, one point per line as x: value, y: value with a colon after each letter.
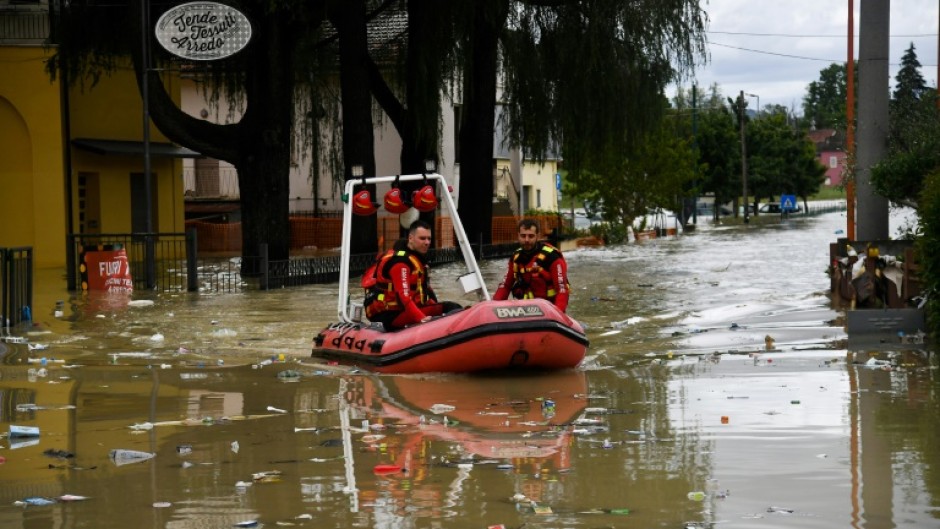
x: 928, y: 248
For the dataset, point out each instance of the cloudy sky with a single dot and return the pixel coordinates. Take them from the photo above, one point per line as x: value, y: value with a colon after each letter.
x: 774, y: 49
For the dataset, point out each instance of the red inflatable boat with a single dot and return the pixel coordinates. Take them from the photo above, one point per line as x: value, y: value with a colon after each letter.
x: 489, y: 335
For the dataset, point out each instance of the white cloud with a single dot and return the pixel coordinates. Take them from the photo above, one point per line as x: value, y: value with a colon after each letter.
x: 775, y: 49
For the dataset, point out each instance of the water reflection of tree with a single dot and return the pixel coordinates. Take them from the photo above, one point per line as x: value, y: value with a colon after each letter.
x: 907, y: 415
x: 655, y: 464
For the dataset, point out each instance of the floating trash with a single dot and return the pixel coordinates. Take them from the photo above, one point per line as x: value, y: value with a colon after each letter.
x: 125, y: 457
x: 387, y: 469
x: 270, y: 476
x: 441, y: 408
x: 372, y: 438
x: 35, y: 501
x: 289, y: 375
x: 23, y: 431
x: 58, y: 454
x: 696, y: 495
x: 71, y: 497
x: 161, y: 504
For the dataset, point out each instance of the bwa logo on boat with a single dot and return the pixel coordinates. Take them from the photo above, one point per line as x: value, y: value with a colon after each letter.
x: 526, y: 311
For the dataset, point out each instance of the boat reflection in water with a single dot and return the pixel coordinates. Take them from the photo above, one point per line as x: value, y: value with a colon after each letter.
x: 421, y: 427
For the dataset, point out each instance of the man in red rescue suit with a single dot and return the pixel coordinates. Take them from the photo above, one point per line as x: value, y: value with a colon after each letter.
x: 536, y: 270
x: 402, y: 294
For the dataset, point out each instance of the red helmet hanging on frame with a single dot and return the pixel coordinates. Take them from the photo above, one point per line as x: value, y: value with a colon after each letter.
x: 362, y: 203
x: 424, y: 199
x: 395, y: 201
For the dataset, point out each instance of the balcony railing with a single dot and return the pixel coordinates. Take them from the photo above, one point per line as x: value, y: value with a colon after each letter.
x: 26, y: 23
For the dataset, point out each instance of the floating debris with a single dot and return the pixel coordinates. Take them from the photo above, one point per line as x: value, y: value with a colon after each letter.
x: 439, y: 409
x: 23, y: 431
x: 125, y: 457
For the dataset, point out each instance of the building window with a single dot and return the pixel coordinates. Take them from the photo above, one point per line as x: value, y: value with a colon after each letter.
x: 538, y: 199
x: 833, y: 162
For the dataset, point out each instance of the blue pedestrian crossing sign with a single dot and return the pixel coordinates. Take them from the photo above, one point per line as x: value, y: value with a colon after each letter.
x: 787, y: 203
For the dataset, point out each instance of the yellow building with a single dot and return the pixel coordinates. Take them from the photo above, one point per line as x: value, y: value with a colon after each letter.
x: 32, y: 190
x: 72, y: 158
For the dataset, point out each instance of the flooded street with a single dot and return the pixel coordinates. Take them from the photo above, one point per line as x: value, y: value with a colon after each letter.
x: 186, y: 410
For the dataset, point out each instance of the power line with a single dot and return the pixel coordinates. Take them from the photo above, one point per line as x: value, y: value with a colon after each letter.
x: 803, y: 36
x: 774, y: 53
x: 801, y: 57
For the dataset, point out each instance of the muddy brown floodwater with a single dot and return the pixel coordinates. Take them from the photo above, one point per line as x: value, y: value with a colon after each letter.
x: 206, y: 411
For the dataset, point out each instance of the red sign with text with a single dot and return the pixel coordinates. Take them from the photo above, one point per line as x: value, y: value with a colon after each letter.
x: 106, y: 269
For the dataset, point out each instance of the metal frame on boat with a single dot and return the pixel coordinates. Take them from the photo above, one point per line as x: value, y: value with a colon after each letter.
x: 489, y: 335
x: 471, y: 281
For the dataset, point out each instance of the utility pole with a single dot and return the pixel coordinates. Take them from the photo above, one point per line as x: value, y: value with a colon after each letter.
x: 871, y: 213
x: 850, y: 125
x: 743, y: 155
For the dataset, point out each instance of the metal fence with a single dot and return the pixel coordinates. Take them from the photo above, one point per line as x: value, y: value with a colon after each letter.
x: 818, y: 207
x: 168, y: 262
x: 162, y: 261
x: 16, y: 286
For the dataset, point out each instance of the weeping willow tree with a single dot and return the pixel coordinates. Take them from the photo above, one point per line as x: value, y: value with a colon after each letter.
x: 588, y: 76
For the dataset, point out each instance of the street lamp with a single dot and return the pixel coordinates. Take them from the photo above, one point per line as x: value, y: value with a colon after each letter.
x: 740, y: 103
x: 758, y: 103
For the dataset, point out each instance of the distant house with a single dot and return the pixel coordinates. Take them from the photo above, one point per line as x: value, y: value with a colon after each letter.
x: 539, y: 187
x: 830, y: 151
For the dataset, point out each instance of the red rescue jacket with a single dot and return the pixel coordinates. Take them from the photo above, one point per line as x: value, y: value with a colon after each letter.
x: 387, y: 293
x: 539, y: 274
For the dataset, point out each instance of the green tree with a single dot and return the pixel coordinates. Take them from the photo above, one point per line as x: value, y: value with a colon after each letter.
x: 719, y: 154
x: 913, y: 137
x: 928, y: 247
x: 589, y: 76
x: 653, y: 176
x: 781, y: 160
x: 710, y: 99
x: 910, y: 84
x: 825, y: 99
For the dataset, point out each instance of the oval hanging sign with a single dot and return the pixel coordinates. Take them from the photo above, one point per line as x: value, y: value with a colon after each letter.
x: 203, y: 31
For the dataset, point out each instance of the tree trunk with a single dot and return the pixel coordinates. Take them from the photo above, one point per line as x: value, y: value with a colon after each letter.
x: 258, y: 145
x: 349, y: 18
x: 265, y: 141
x: 478, y: 118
